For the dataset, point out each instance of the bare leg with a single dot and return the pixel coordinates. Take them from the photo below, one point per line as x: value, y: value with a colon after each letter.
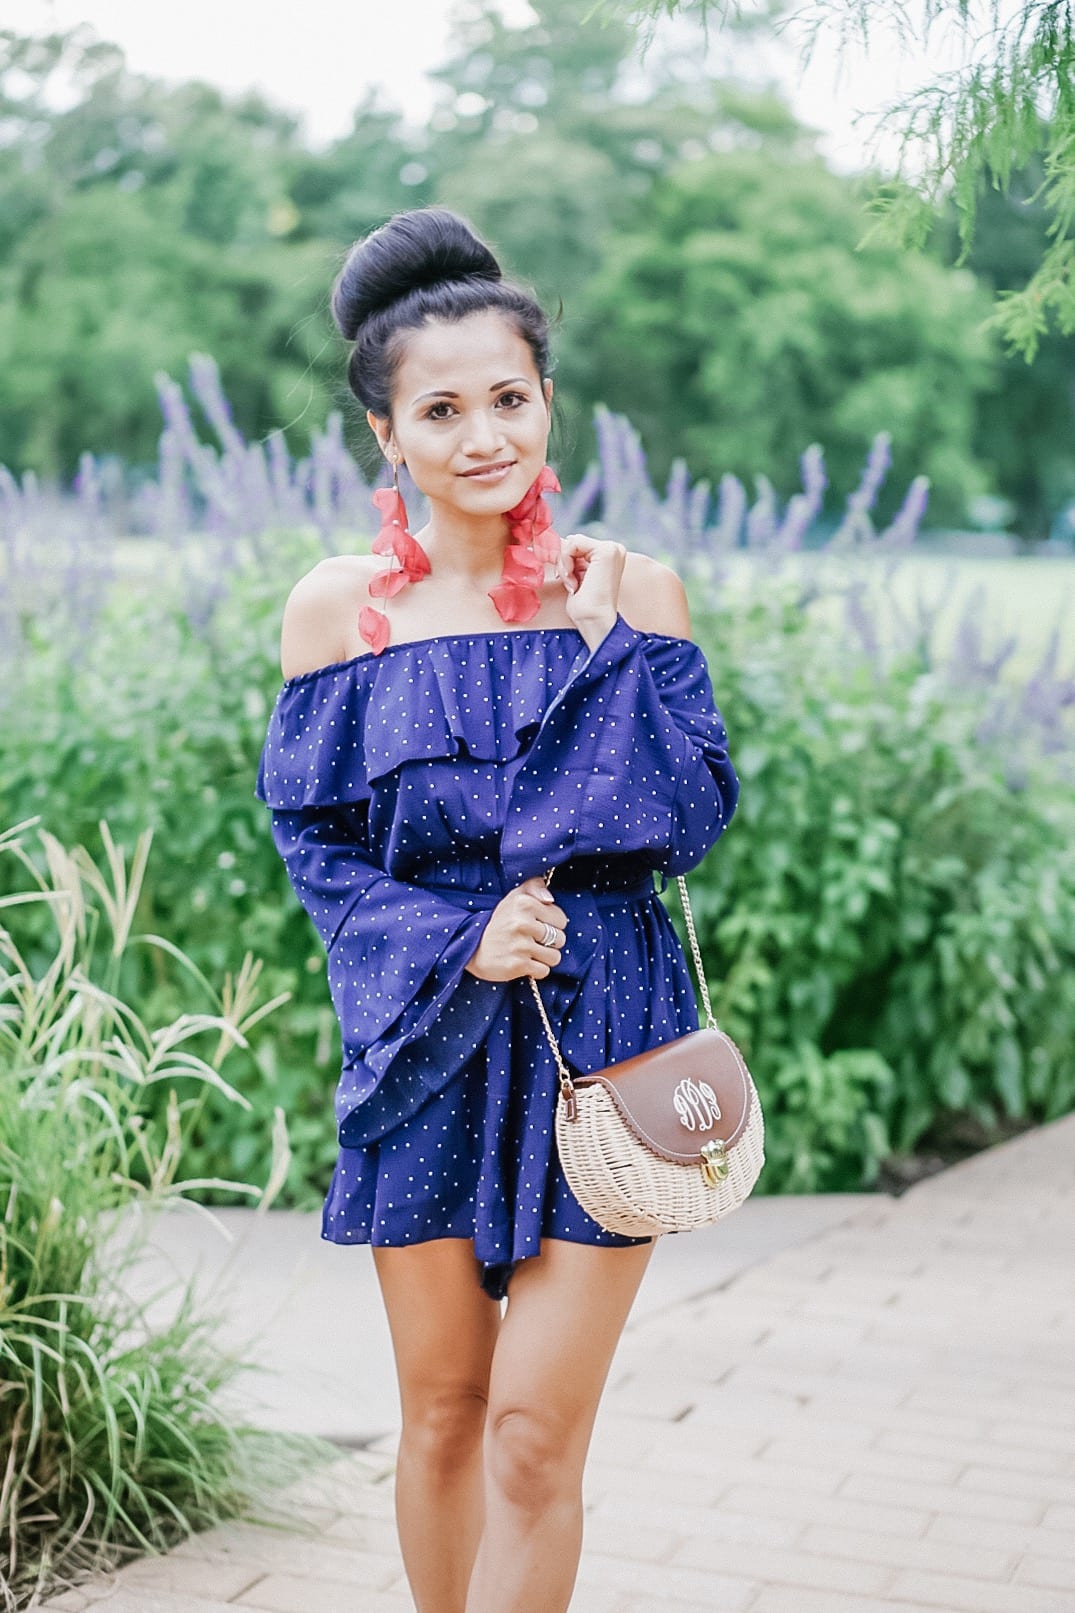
x: 444, y: 1328
x: 566, y: 1311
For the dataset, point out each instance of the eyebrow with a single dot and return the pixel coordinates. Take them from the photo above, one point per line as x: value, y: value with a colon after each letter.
x: 511, y: 381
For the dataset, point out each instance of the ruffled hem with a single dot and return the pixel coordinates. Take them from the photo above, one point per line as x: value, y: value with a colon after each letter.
x: 328, y: 742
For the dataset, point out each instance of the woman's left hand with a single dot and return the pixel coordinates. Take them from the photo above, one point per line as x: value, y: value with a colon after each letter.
x: 591, y: 570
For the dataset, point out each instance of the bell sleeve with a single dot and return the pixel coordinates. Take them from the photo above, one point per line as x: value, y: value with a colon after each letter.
x: 410, y: 1013
x: 631, y: 757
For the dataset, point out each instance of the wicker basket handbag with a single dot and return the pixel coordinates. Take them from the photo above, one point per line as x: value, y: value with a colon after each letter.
x: 667, y: 1141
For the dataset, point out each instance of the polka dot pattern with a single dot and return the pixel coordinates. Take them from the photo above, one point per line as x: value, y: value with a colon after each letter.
x: 409, y: 793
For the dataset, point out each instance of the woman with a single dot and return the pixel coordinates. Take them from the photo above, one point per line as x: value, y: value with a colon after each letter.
x: 426, y: 767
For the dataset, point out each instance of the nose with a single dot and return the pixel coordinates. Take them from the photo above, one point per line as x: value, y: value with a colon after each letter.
x: 484, y: 434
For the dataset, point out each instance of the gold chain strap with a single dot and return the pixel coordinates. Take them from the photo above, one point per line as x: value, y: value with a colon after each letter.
x: 711, y: 1023
x: 567, y: 1086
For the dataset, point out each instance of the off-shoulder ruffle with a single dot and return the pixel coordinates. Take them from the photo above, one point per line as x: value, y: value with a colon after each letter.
x: 328, y: 741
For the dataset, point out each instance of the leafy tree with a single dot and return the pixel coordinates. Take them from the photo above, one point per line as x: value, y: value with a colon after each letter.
x: 112, y: 289
x: 138, y: 224
x: 1012, y: 101
x: 348, y: 189
x: 143, y: 222
x: 1025, y: 428
x: 553, y: 236
x: 550, y: 80
x: 551, y: 68
x: 739, y: 322
x: 128, y: 131
x: 543, y: 140
x: 520, y: 111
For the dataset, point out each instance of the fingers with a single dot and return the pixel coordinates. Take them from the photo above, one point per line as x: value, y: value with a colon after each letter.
x: 534, y: 885
x: 579, y: 555
x: 535, y: 913
x: 581, y: 543
x: 542, y: 961
x: 544, y: 957
x: 545, y: 909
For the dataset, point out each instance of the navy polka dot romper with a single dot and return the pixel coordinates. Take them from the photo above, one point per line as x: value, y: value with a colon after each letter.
x: 410, y: 791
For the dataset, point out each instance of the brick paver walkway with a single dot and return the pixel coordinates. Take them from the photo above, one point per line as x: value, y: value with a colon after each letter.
x: 880, y: 1419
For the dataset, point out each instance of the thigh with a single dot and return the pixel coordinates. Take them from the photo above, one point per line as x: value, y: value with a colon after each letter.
x: 566, y: 1312
x: 443, y: 1325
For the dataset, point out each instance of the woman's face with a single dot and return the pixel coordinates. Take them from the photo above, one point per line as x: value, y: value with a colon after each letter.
x: 467, y: 395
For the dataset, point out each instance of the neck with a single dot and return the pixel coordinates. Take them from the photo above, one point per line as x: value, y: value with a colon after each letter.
x: 464, y: 549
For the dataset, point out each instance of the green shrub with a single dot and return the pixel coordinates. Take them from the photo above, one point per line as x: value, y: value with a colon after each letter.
x: 161, y: 726
x: 890, y: 925
x: 889, y: 921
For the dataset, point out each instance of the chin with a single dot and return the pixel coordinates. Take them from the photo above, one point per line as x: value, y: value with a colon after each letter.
x: 518, y: 484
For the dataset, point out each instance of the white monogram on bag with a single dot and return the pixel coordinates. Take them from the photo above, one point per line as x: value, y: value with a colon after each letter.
x: 616, y: 1128
x: 696, y: 1104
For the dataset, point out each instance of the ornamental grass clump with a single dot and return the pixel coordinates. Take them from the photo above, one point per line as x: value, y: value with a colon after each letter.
x: 112, y: 1437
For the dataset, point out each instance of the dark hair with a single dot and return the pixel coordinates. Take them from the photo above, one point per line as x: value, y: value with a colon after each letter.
x: 423, y: 264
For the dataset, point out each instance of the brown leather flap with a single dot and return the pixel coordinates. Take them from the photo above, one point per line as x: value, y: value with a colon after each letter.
x: 683, y: 1094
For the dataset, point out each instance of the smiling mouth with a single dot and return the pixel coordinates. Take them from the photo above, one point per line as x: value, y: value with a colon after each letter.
x: 487, y: 470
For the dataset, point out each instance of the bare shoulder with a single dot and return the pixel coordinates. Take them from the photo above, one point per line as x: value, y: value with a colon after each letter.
x: 653, y: 598
x: 321, y: 609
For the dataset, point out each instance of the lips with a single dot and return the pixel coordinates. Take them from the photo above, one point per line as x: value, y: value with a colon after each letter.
x: 486, y: 470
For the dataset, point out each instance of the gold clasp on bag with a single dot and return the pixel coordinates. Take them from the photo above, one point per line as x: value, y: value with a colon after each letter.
x: 715, y: 1164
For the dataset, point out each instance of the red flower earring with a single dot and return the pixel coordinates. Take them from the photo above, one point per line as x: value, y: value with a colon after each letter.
x: 392, y: 539
x: 531, y: 545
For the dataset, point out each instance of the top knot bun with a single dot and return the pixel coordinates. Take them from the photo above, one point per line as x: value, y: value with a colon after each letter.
x: 420, y: 248
x: 424, y: 265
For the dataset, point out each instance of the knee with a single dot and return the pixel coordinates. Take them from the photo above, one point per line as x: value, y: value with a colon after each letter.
x: 443, y: 1428
x: 530, y: 1460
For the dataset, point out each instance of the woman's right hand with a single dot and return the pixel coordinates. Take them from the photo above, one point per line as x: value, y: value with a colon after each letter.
x: 511, y: 941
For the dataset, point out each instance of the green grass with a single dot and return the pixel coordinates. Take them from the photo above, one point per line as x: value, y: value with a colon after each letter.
x: 113, y: 1430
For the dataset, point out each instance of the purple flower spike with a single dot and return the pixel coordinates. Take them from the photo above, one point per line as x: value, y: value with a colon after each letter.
x: 677, y: 494
x: 731, y: 511
x: 804, y: 509
x: 908, y: 519
x: 877, y: 467
x: 173, y: 406
x: 205, y: 380
x: 698, y: 511
x: 856, y: 526
x: 171, y: 512
x: 761, y: 521
x: 576, y: 505
x: 1048, y: 695
x: 861, y: 619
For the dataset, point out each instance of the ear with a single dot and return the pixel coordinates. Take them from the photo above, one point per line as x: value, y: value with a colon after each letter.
x: 546, y: 387
x: 381, y: 429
